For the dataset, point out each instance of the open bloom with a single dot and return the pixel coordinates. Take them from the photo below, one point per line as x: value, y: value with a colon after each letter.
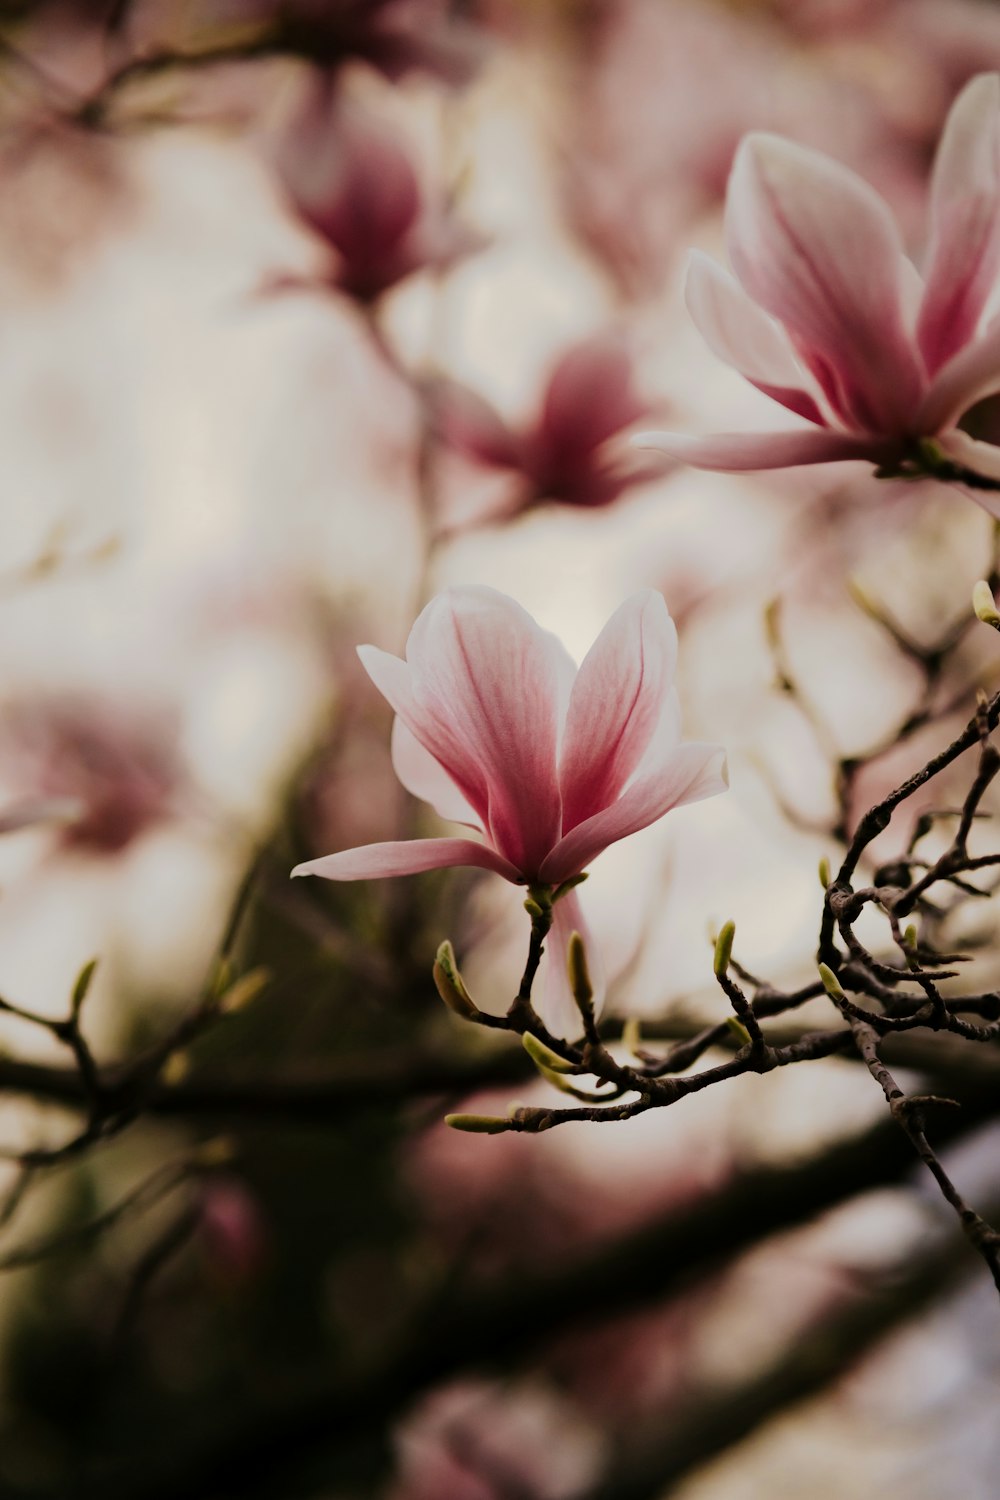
x: 828, y: 316
x: 562, y: 453
x: 103, y: 775
x: 497, y: 729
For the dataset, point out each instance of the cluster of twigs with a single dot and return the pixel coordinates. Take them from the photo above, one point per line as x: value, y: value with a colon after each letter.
x: 876, y: 996
x: 109, y: 1100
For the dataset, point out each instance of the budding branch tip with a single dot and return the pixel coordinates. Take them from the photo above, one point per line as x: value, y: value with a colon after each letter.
x: 579, y: 973
x: 450, y: 985
x: 984, y: 604
x: 724, y: 949
x: 831, y: 983
x: 478, y: 1124
x: 543, y: 1057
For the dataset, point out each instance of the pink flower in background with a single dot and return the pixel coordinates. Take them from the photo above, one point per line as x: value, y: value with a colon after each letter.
x: 562, y: 454
x: 352, y: 182
x: 475, y: 1440
x: 497, y: 729
x: 115, y: 774
x: 233, y: 1233
x: 829, y: 317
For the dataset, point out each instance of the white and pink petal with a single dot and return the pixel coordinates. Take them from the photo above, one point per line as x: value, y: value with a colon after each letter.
x: 394, y: 680
x: 616, y: 705
x: 426, y: 778
x: 745, y: 337
x: 969, y: 376
x: 741, y: 452
x: 406, y: 857
x: 553, y: 997
x: 488, y: 685
x: 964, y: 252
x: 692, y: 772
x: 817, y: 248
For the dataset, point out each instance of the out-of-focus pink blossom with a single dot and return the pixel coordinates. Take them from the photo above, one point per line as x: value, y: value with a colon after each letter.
x: 497, y: 729
x: 232, y: 1231
x: 828, y: 316
x: 562, y: 453
x: 118, y: 774
x: 353, y: 183
x: 474, y: 1441
x: 647, y: 147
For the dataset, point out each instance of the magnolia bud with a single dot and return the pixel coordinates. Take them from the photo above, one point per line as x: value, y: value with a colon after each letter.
x: 831, y: 983
x: 245, y: 989
x: 724, y: 949
x: 478, y: 1124
x: 450, y: 985
x: 985, y: 605
x: 544, y: 1057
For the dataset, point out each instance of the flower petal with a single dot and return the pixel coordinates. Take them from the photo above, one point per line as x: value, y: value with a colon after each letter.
x: 393, y: 678
x: 965, y: 216
x: 616, y: 704
x: 745, y: 337
x: 553, y: 999
x: 692, y: 772
x: 665, y: 738
x: 426, y: 778
x: 406, y: 857
x: 980, y: 458
x: 737, y: 452
x: 29, y: 812
x: 818, y: 249
x: 590, y: 397
x: 486, y: 685
x: 969, y: 376
x: 471, y: 426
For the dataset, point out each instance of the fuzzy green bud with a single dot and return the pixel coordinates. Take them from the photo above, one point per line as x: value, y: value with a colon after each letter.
x: 567, y: 886
x: 82, y: 986
x: 245, y: 989
x: 478, y: 1124
x: 450, y: 985
x: 544, y: 1057
x: 831, y: 983
x: 579, y: 973
x: 724, y: 949
x: 985, y: 605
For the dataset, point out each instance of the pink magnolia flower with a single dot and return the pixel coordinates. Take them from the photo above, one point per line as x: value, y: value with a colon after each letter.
x: 497, y: 729
x: 104, y: 775
x: 827, y: 315
x: 563, y: 452
x: 352, y: 182
x: 233, y: 1232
